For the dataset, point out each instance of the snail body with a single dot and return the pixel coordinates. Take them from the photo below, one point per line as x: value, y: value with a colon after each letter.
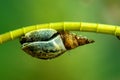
x: 49, y: 43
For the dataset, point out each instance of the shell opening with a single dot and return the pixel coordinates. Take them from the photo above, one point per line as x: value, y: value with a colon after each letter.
x: 24, y: 39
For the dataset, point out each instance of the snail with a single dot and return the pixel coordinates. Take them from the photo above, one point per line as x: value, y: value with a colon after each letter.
x: 49, y: 43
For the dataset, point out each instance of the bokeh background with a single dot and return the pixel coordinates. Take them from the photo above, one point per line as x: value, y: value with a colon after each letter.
x: 98, y: 61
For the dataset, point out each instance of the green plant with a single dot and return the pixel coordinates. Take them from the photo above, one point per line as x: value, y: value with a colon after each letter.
x: 70, y: 26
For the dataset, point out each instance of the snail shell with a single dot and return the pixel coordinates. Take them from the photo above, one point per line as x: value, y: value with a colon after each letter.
x: 49, y: 43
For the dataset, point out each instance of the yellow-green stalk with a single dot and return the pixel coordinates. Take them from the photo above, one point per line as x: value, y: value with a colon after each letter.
x: 70, y: 26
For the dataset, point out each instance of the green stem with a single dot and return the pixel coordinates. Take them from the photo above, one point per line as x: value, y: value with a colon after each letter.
x: 70, y: 26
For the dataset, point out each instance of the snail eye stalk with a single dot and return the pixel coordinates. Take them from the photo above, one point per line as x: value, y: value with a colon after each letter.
x: 49, y: 43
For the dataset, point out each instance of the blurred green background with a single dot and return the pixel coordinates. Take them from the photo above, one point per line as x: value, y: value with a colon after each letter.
x: 98, y: 61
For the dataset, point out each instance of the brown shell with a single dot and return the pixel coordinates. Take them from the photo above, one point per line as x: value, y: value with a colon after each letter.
x: 72, y: 41
x: 69, y: 41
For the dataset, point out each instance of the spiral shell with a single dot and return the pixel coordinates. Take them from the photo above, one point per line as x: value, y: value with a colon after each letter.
x: 49, y: 43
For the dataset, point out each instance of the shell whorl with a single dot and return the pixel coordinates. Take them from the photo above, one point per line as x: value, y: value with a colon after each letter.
x: 72, y: 41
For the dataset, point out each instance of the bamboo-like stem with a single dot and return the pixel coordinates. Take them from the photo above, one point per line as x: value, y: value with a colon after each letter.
x: 70, y: 26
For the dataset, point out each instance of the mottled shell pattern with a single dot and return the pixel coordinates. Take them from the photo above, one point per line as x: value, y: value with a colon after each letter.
x: 49, y: 43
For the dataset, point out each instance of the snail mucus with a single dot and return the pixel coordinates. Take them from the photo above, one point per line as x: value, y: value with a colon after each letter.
x: 49, y: 43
